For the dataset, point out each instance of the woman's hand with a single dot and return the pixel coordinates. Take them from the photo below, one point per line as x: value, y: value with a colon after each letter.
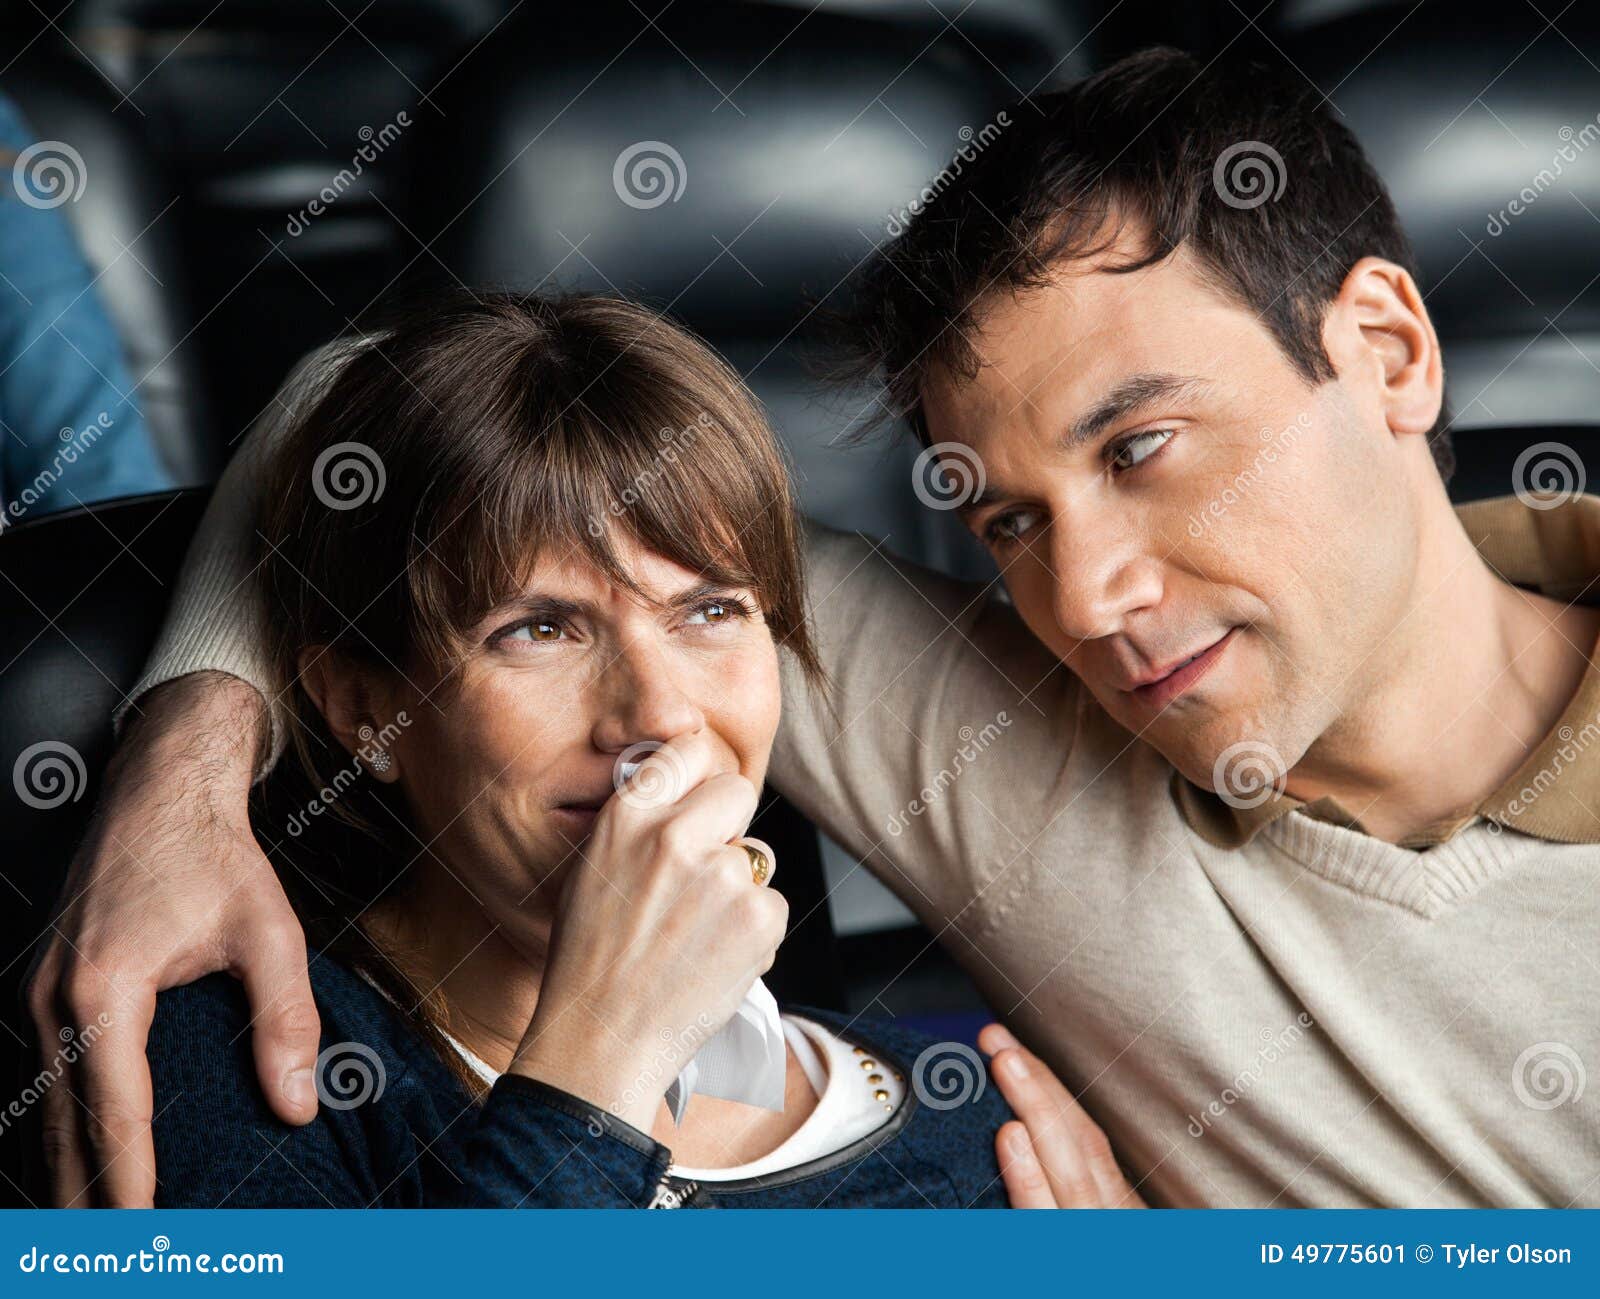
x: 1053, y: 1155
x: 660, y: 932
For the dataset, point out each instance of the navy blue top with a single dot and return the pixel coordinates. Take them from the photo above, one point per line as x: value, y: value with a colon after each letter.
x: 412, y: 1136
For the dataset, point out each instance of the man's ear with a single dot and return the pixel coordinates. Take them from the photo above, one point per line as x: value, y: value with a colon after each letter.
x: 1379, y: 325
x: 353, y: 704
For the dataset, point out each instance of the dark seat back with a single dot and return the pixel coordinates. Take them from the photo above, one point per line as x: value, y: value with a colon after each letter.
x: 1485, y: 127
x: 728, y: 164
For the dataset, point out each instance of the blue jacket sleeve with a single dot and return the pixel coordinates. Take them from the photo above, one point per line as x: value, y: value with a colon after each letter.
x: 218, y: 1145
x: 70, y: 426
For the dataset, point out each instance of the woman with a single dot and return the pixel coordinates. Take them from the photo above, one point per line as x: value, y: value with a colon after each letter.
x: 531, y: 563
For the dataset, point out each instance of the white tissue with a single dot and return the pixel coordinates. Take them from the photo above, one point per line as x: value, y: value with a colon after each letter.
x: 747, y: 1060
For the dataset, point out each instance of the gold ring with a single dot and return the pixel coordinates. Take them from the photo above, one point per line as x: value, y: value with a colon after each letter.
x: 759, y: 866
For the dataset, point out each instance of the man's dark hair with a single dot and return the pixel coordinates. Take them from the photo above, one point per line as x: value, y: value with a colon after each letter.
x: 1154, y: 143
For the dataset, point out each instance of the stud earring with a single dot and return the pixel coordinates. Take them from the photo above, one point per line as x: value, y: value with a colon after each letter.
x: 381, y: 761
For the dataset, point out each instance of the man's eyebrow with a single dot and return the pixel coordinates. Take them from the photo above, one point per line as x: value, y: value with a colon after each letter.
x: 1128, y: 396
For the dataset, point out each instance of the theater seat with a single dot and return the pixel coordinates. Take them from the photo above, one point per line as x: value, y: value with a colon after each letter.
x: 258, y: 108
x: 1485, y: 129
x: 128, y: 222
x: 84, y: 593
x: 727, y: 164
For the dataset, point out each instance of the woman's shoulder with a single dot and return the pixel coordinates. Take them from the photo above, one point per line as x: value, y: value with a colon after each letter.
x: 202, y: 1029
x: 219, y: 1002
x: 891, y: 1038
x: 954, y: 1107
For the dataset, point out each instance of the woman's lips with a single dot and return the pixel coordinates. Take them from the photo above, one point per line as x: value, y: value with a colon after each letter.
x: 578, y: 815
x: 1158, y: 694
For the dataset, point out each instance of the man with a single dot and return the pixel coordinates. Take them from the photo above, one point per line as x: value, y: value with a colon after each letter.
x: 1288, y: 872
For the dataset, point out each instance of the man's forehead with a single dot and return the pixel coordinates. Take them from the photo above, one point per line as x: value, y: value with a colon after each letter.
x: 1055, y: 351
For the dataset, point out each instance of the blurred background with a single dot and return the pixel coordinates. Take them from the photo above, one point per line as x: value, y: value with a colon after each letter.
x: 253, y: 176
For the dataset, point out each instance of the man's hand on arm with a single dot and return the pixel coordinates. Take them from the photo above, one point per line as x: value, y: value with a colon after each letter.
x: 168, y: 885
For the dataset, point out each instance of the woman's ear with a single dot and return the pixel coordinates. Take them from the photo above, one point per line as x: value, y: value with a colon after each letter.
x: 354, y: 706
x: 1379, y: 325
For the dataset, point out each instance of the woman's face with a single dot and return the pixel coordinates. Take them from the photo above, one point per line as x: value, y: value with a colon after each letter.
x: 505, y: 769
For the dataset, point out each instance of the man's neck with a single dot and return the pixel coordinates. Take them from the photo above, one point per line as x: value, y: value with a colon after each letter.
x: 1476, y: 675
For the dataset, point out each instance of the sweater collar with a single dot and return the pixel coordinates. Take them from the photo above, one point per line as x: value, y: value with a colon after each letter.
x: 1555, y: 794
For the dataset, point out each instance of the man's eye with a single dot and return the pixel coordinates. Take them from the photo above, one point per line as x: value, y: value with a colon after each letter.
x: 1010, y: 527
x: 1134, y: 451
x: 538, y: 629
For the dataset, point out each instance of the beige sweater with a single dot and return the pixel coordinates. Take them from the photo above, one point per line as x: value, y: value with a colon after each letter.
x: 1269, y: 1008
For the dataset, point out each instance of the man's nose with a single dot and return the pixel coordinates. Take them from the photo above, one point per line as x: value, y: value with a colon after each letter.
x: 1101, y: 573
x: 641, y: 698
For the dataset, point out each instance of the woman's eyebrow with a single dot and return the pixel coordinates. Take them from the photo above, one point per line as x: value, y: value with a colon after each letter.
x: 695, y: 594
x: 536, y: 602
x: 1127, y: 397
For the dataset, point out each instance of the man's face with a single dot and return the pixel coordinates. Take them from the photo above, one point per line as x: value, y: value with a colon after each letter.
x: 1162, y: 484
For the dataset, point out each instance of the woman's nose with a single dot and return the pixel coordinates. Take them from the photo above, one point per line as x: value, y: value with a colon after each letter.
x: 641, y: 698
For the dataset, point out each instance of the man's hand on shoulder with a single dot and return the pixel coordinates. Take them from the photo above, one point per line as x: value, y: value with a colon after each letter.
x: 168, y: 885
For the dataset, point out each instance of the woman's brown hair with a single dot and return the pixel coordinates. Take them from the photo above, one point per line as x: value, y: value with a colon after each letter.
x: 454, y: 448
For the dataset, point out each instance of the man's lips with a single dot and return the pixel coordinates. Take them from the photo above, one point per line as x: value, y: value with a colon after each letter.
x: 1163, y: 686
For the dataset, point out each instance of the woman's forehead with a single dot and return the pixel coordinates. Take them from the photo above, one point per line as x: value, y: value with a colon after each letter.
x: 571, y: 572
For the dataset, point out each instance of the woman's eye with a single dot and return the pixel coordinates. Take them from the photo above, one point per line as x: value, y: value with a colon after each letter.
x: 1010, y: 527
x: 714, y: 613
x: 537, y: 630
x: 1134, y: 451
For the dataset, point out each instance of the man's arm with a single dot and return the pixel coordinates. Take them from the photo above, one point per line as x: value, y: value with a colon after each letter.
x: 168, y: 884
x: 941, y: 727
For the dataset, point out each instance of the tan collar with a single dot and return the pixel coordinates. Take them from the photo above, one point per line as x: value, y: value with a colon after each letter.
x: 1555, y: 794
